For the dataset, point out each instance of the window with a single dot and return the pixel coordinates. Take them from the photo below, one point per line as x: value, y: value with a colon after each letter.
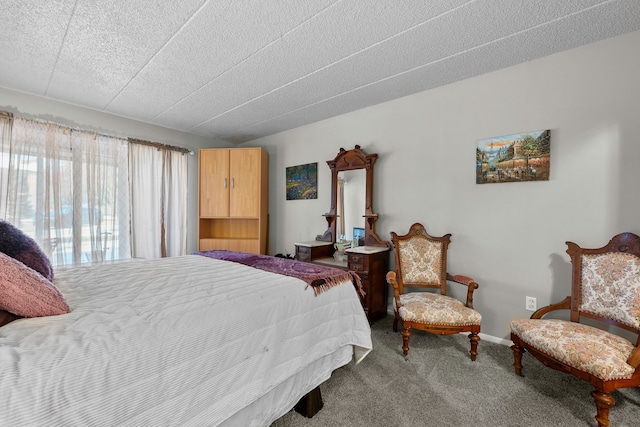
x: 85, y: 197
x: 67, y: 189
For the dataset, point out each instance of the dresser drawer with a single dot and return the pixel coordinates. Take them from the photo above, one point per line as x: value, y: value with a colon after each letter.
x: 303, y: 253
x: 357, y: 268
x: 358, y: 259
x: 358, y: 263
x: 310, y: 253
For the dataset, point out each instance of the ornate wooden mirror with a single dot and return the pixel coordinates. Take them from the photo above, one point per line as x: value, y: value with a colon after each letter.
x: 349, y: 161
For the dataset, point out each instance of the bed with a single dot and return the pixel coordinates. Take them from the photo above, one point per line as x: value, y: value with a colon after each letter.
x: 183, y: 341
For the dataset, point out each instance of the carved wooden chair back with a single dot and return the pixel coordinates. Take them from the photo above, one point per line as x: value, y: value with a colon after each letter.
x: 421, y: 263
x: 606, y: 282
x: 421, y: 259
x: 605, y: 289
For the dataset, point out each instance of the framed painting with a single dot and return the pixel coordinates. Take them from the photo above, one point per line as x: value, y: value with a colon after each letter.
x: 302, y: 181
x: 513, y: 158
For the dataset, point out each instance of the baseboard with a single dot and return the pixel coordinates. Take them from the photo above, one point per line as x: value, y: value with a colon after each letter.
x: 496, y: 340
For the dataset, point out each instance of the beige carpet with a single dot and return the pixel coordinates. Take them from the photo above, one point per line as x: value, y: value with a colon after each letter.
x: 439, y: 385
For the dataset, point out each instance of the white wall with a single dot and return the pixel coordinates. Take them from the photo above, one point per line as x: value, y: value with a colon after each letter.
x: 34, y: 107
x: 510, y: 237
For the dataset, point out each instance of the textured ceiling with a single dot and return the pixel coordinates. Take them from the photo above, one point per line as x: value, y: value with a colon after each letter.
x: 237, y: 70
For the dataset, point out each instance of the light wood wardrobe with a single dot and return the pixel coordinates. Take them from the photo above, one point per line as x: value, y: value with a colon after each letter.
x: 233, y: 199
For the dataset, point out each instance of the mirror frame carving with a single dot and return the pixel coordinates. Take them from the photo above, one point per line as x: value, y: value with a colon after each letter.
x: 352, y: 160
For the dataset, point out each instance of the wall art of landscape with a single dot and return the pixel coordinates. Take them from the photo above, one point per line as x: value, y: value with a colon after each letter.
x: 302, y: 182
x: 513, y: 158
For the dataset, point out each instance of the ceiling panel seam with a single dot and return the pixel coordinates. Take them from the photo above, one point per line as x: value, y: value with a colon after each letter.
x: 64, y: 39
x: 402, y: 72
x: 173, y: 36
x: 371, y: 46
x: 245, y: 59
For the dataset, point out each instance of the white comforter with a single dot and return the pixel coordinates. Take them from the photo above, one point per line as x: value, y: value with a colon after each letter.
x: 175, y: 342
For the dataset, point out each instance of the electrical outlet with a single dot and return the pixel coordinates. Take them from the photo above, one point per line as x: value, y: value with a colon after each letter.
x: 530, y: 303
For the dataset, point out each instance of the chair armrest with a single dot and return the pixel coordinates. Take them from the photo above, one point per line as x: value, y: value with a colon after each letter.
x: 565, y: 304
x: 391, y: 279
x: 634, y: 359
x: 471, y: 285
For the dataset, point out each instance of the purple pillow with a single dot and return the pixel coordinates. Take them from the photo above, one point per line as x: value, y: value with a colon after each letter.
x: 26, y: 293
x: 18, y: 245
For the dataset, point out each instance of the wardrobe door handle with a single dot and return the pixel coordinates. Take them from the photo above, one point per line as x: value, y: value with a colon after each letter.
x: 225, y: 183
x: 232, y: 183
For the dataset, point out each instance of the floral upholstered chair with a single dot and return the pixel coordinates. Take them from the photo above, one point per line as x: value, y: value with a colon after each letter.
x: 605, y: 288
x: 421, y: 263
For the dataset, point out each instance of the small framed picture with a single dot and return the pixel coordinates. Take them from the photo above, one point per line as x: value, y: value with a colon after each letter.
x: 358, y: 236
x: 302, y: 181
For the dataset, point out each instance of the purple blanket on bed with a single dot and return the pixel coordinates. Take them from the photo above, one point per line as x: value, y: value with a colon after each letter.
x: 319, y: 277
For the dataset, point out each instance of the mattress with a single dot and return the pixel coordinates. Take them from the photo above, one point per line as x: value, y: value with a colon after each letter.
x: 187, y: 341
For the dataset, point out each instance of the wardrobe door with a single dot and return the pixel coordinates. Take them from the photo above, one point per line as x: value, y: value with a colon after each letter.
x: 245, y: 175
x: 214, y: 183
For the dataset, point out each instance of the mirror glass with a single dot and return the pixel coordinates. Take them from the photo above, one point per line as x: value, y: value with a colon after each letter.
x: 354, y: 192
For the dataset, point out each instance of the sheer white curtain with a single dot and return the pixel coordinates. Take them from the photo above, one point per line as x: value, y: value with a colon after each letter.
x: 6, y: 125
x: 101, y: 178
x: 175, y: 202
x: 158, y: 188
x: 68, y: 189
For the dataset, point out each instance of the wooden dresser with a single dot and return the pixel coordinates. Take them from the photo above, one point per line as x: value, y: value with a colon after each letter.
x: 313, y: 250
x: 370, y: 263
x: 369, y: 260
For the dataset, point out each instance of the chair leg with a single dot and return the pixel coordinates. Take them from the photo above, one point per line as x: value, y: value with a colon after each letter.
x: 474, y: 338
x: 395, y: 321
x: 517, y: 358
x: 406, y: 334
x: 604, y: 401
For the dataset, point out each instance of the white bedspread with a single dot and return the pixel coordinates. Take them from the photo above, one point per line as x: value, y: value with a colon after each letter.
x: 174, y: 342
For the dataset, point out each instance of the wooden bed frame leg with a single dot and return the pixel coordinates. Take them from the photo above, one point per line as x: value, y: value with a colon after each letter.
x: 310, y: 404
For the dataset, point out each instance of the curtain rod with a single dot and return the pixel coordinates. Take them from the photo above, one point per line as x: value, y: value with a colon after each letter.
x: 160, y: 145
x: 131, y: 140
